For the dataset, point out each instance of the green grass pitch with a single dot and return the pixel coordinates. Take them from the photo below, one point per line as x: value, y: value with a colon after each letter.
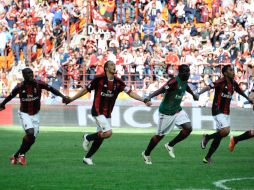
x: 55, y: 162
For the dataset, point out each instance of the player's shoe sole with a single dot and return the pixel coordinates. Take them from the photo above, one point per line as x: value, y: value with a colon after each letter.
x: 231, y: 145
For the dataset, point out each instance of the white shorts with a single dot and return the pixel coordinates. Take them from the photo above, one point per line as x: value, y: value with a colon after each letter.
x: 103, y: 123
x: 222, y: 120
x: 167, y: 122
x: 30, y: 121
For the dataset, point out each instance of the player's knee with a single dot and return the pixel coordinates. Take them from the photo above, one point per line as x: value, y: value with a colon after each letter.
x: 107, y: 134
x: 30, y: 132
x: 225, y: 132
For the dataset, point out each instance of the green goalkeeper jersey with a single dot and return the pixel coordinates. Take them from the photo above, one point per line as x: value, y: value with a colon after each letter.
x: 175, y: 90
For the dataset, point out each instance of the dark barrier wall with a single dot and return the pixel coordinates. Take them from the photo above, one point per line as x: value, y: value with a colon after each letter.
x: 134, y: 116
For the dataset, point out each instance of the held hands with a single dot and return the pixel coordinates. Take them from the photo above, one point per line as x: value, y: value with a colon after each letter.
x: 147, y: 101
x: 66, y: 100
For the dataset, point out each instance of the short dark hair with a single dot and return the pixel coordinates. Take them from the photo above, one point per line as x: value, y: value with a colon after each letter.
x: 106, y: 65
x: 184, y: 68
x: 225, y: 69
x: 26, y: 70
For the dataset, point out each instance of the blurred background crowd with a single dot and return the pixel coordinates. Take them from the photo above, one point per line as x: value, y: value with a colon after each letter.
x: 67, y: 42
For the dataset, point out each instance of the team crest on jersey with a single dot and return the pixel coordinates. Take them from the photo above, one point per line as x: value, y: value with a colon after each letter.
x: 23, y: 91
x: 105, y: 85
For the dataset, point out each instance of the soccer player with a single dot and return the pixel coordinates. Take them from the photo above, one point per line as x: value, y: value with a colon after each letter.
x: 224, y: 90
x: 106, y: 87
x: 235, y: 139
x: 29, y: 92
x: 171, y: 113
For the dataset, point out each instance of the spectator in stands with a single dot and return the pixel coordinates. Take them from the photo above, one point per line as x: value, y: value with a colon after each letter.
x: 15, y: 46
x: 3, y: 41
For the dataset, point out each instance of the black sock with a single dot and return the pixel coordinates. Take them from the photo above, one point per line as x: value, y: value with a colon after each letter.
x: 28, y: 141
x: 95, y: 146
x: 215, y: 144
x: 153, y: 142
x: 181, y: 136
x: 213, y: 136
x: 244, y: 136
x: 93, y: 137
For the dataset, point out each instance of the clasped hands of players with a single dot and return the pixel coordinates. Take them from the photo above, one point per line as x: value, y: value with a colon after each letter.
x: 66, y: 100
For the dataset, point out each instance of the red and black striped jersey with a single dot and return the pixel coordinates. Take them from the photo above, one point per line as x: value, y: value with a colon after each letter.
x: 223, y: 94
x: 105, y: 94
x: 30, y: 95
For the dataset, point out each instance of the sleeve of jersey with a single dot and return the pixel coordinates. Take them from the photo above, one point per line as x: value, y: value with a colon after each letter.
x: 91, y: 85
x: 15, y: 91
x: 44, y: 85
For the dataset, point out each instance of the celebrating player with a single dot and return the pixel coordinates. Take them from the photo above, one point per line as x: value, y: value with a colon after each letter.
x: 30, y: 96
x: 106, y: 87
x: 224, y: 90
x: 171, y: 113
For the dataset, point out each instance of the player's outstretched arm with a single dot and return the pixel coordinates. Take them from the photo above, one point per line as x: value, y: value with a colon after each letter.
x: 81, y: 93
x: 13, y: 93
x: 137, y: 97
x: 6, y: 100
x: 204, y: 90
x: 195, y: 96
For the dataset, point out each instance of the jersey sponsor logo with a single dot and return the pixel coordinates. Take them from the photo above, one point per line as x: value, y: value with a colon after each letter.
x: 29, y: 98
x: 229, y: 96
x: 107, y: 94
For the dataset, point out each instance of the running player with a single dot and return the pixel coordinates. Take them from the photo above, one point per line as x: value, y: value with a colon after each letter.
x: 106, y: 87
x: 171, y: 113
x: 224, y: 90
x: 30, y: 102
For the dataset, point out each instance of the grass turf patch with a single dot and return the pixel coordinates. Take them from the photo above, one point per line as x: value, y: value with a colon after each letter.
x: 55, y: 162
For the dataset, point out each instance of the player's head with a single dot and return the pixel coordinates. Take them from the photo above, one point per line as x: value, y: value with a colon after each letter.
x: 184, y: 72
x: 110, y: 67
x: 28, y: 74
x: 228, y: 71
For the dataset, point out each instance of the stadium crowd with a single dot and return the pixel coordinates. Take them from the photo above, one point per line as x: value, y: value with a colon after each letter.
x: 149, y: 40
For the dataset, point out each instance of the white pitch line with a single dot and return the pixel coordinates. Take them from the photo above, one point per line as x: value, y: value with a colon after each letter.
x: 220, y: 183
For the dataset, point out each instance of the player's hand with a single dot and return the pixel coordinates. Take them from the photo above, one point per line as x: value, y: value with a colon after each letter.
x: 66, y: 100
x: 148, y: 103
x: 251, y: 101
x: 147, y: 99
x: 2, y: 107
x: 196, y: 97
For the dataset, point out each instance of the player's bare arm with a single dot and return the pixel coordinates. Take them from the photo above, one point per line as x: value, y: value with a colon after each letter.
x: 239, y: 91
x: 9, y: 98
x: 78, y: 95
x: 195, y: 96
x: 155, y: 93
x: 139, y: 98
